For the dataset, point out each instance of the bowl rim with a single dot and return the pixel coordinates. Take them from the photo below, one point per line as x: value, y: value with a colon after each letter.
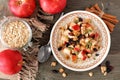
x: 107, y: 50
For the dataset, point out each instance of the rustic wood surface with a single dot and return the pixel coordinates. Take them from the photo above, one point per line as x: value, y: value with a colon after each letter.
x: 112, y: 7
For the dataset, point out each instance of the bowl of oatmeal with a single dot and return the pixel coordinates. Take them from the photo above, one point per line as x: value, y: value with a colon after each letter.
x: 15, y: 33
x: 80, y: 40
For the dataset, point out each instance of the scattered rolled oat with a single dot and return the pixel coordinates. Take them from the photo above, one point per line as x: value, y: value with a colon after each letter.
x: 53, y: 64
x: 90, y: 74
x: 64, y: 74
x: 61, y: 70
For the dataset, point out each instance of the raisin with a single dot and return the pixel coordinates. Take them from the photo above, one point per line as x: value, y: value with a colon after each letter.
x: 80, y: 36
x: 71, y: 34
x: 109, y: 69
x: 96, y: 54
x: 70, y: 40
x: 99, y: 65
x: 67, y: 44
x: 80, y: 19
x: 70, y: 30
x: 59, y: 48
x: 95, y: 49
x: 73, y: 54
x: 107, y: 63
x: 55, y: 71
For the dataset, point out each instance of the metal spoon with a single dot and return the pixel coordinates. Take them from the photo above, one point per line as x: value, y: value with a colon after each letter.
x: 45, y: 51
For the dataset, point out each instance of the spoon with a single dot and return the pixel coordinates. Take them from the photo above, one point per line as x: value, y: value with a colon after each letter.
x: 45, y: 51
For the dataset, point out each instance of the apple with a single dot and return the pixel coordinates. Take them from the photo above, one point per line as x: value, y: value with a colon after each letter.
x: 52, y: 6
x: 22, y: 8
x: 10, y: 61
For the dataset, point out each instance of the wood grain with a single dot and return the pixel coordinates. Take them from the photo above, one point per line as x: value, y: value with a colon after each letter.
x: 112, y: 7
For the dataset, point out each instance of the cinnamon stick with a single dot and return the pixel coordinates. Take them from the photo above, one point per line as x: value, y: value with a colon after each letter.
x: 97, y: 7
x: 110, y: 16
x: 109, y: 19
x: 110, y: 25
x: 92, y: 11
x: 105, y: 16
x: 114, y: 21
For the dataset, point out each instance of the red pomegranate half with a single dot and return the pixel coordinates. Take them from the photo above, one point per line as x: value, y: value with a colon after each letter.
x: 10, y: 61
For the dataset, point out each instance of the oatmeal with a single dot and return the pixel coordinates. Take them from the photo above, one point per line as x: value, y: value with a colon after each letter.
x: 15, y: 34
x: 80, y: 39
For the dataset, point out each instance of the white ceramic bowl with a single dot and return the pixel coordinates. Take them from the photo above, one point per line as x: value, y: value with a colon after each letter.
x: 103, y: 52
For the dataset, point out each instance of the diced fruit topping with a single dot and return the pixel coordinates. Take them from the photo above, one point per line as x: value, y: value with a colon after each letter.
x: 79, y: 40
x: 76, y: 27
x: 74, y: 58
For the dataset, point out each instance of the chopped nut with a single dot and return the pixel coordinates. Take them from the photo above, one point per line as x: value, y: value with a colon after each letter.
x: 89, y: 55
x: 103, y: 69
x: 64, y: 74
x: 90, y: 74
x: 61, y: 70
x: 105, y: 73
x: 53, y: 64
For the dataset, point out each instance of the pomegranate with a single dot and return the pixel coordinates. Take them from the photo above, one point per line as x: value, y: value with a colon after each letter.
x: 22, y: 8
x: 52, y: 6
x: 10, y: 61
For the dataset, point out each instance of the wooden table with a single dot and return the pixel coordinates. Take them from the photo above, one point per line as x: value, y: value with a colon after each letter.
x: 112, y: 7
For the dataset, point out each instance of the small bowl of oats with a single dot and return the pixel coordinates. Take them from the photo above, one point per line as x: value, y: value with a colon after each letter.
x: 15, y: 33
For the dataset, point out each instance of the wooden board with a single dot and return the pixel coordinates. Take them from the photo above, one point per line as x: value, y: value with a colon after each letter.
x: 112, y: 7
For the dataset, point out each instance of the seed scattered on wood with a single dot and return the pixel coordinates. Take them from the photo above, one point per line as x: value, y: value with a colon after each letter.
x: 53, y: 64
x: 64, y: 74
x: 61, y: 70
x: 90, y: 74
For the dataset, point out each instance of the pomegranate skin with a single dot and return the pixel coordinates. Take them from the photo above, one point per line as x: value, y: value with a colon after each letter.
x: 10, y: 61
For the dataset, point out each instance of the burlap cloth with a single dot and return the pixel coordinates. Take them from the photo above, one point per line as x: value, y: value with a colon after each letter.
x: 40, y: 24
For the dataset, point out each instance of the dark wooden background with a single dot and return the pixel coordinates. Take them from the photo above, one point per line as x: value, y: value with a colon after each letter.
x: 112, y: 7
